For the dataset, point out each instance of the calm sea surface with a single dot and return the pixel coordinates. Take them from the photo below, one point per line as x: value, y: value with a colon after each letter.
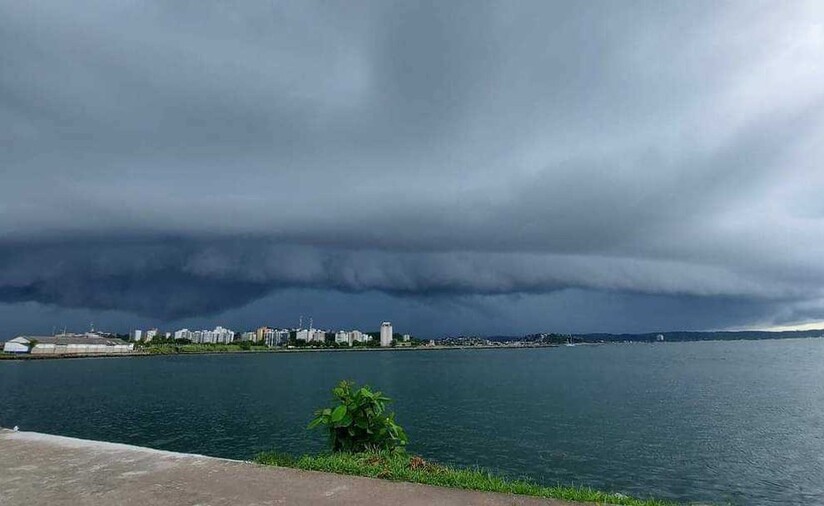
x: 739, y: 422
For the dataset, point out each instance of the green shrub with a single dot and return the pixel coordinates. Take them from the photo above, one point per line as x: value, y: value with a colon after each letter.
x: 358, y: 421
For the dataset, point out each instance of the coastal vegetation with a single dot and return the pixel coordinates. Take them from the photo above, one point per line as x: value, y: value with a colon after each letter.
x: 174, y: 348
x: 365, y: 440
x: 402, y: 466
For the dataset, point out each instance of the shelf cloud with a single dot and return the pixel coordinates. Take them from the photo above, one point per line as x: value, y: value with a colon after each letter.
x: 190, y: 160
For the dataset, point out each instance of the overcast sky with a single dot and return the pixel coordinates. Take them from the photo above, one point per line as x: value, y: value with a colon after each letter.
x: 455, y: 167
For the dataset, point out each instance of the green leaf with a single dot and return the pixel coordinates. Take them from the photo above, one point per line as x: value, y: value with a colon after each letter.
x: 338, y: 414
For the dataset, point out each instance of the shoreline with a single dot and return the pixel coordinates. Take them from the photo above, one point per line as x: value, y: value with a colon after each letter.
x: 26, y: 356
x: 14, y: 357
x: 22, y: 357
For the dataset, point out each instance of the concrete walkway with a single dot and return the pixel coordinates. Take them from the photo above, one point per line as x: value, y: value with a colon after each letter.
x: 44, y: 469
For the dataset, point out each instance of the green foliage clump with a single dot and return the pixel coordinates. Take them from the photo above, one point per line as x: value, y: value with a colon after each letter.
x: 359, y: 421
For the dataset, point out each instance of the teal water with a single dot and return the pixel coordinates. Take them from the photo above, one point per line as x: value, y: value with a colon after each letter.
x: 738, y: 422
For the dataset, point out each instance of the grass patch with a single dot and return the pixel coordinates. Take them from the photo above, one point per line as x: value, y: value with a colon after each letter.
x: 400, y: 466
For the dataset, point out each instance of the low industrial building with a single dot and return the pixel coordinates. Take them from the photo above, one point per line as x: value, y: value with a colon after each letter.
x: 71, y: 344
x: 17, y: 345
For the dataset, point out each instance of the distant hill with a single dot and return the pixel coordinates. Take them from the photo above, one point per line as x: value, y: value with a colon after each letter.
x: 701, y: 336
x: 672, y: 336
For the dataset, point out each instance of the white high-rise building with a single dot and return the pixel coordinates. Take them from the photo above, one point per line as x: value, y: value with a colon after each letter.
x: 138, y: 334
x: 150, y: 334
x: 358, y: 337
x: 218, y: 336
x: 311, y: 334
x: 275, y: 337
x: 386, y: 334
x: 223, y: 335
x: 342, y: 337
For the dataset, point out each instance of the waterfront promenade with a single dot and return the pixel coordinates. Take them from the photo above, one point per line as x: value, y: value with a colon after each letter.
x: 44, y: 469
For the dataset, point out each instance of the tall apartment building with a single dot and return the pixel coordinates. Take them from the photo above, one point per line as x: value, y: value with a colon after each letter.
x: 342, y: 337
x: 275, y: 337
x: 260, y: 334
x: 311, y: 335
x: 218, y: 336
x: 222, y: 335
x: 386, y: 334
x: 351, y: 337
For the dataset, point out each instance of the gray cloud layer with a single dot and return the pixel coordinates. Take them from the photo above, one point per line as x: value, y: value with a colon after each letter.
x: 181, y: 160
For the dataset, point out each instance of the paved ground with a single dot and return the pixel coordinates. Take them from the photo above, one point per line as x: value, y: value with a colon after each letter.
x: 43, y: 469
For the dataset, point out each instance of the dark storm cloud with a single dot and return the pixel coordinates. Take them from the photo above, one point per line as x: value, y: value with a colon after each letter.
x: 179, y: 160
